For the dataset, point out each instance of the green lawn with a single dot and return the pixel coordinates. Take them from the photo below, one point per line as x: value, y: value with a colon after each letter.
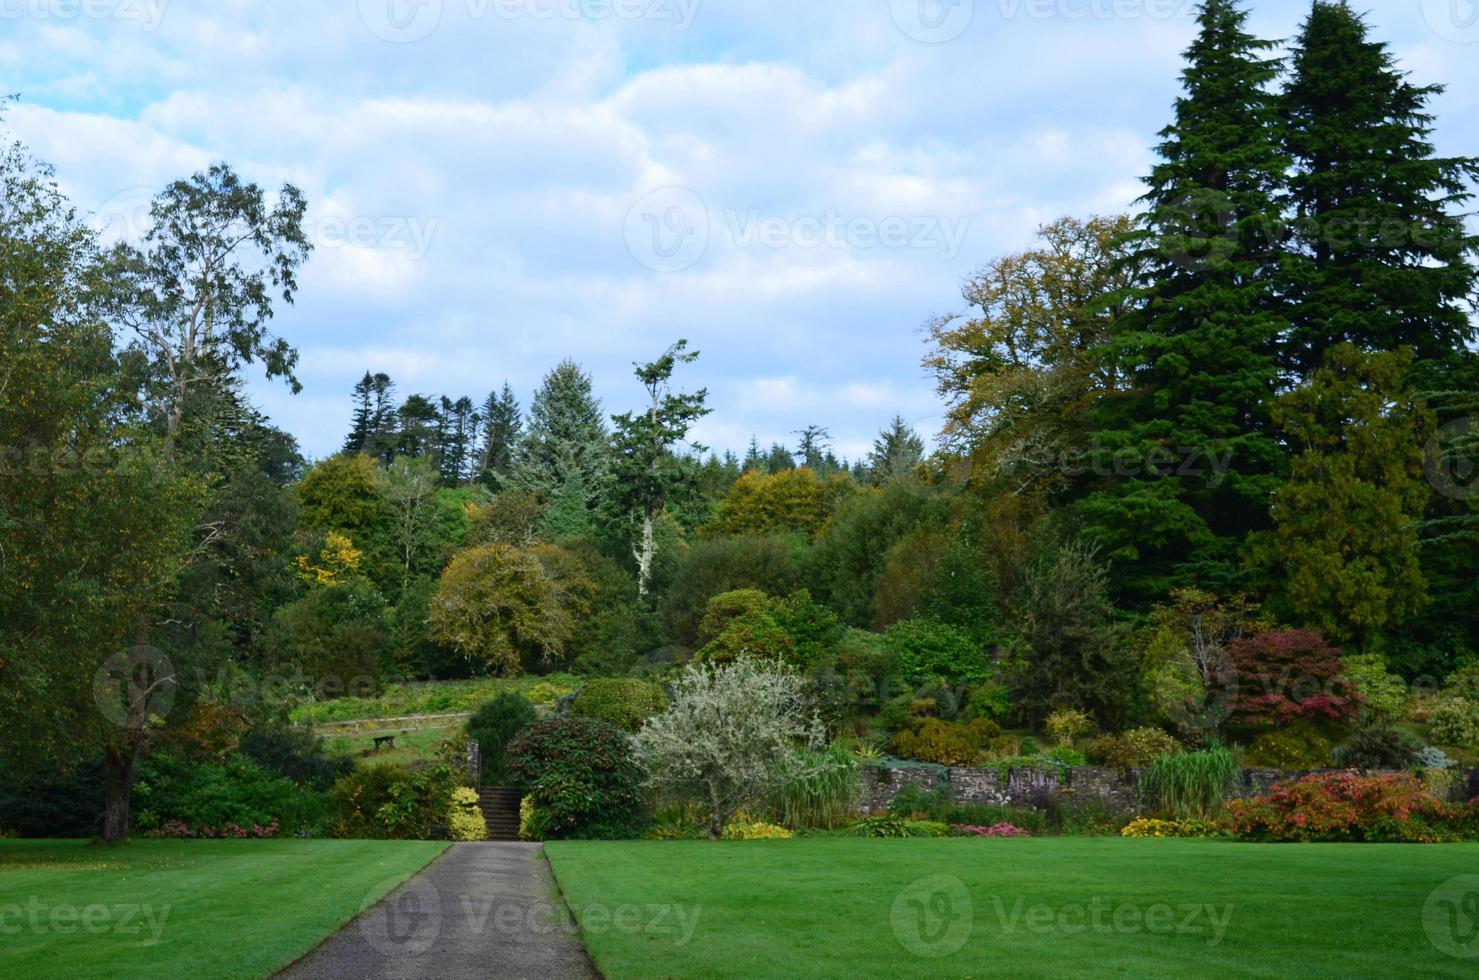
x: 411, y: 745
x: 192, y: 909
x: 1056, y: 907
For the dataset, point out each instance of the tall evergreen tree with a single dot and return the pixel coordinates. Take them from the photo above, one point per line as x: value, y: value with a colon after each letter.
x: 896, y: 451
x: 418, y: 428
x: 754, y: 460
x: 1381, y: 256
x: 385, y: 419
x: 1187, y: 454
x: 502, y: 421
x: 459, y: 422
x: 566, y: 432
x: 363, y: 417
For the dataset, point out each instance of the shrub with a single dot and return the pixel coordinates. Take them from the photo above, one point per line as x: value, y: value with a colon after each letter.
x: 890, y: 826
x: 236, y: 791
x: 1068, y: 724
x: 945, y: 743
x: 1299, y: 746
x: 464, y: 818
x: 1379, y: 747
x: 1135, y: 749
x: 623, y: 702
x: 388, y: 802
x: 1289, y: 676
x: 729, y: 737
x: 820, y: 791
x: 296, y: 754
x: 1382, y: 694
x: 1147, y: 827
x: 754, y: 830
x: 582, y: 774
x: 1192, y: 785
x: 925, y: 650
x: 995, y: 830
x: 1393, y: 807
x: 1431, y: 759
x: 493, y: 725
x: 1455, y: 721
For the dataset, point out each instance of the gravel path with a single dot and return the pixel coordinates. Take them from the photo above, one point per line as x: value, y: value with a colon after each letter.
x: 479, y: 910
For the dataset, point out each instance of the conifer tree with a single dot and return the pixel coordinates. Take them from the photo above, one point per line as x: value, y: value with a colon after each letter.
x: 566, y: 432
x: 502, y: 421
x: 1381, y: 256
x: 896, y: 451
x: 1186, y: 456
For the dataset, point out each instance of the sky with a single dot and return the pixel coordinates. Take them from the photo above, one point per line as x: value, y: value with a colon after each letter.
x: 794, y: 186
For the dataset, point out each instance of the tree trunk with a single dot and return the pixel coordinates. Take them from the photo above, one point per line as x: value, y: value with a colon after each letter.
x: 644, y: 557
x: 119, y: 761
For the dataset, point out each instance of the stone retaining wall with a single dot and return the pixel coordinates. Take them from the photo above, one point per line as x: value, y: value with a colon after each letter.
x: 1037, y: 788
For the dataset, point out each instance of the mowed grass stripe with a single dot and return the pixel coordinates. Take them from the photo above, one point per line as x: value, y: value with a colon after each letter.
x: 825, y: 907
x: 235, y: 908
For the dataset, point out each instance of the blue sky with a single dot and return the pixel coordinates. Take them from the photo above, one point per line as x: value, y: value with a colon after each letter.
x: 795, y: 187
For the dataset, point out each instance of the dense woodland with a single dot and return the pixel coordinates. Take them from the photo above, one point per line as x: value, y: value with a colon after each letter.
x: 1238, y: 422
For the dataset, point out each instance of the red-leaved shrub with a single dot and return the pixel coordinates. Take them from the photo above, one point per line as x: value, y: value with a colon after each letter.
x: 1287, y: 676
x: 1342, y: 806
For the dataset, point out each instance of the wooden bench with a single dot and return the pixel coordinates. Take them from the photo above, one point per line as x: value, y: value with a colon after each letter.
x: 384, y: 742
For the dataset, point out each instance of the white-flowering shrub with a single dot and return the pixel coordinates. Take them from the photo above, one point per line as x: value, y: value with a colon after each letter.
x: 729, y: 738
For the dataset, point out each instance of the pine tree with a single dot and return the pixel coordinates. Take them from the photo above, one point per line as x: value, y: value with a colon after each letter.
x: 566, y: 432
x: 568, y: 515
x: 1187, y: 455
x: 418, y: 428
x: 502, y: 421
x: 779, y: 459
x: 384, y: 420
x: 1382, y: 258
x: 896, y: 451
x: 753, y: 458
x: 363, y: 417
